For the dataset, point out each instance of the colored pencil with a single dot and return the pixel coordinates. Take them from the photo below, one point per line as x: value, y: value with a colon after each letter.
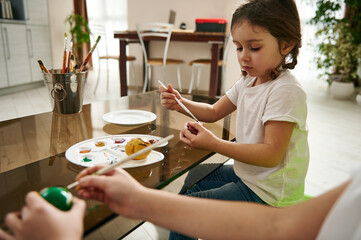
x: 89, y: 55
x: 65, y: 52
x: 125, y: 159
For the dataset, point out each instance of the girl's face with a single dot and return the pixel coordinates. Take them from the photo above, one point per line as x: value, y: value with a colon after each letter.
x: 257, y: 50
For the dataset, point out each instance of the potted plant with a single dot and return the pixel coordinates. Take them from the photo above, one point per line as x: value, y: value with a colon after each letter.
x: 80, y: 33
x: 339, y: 49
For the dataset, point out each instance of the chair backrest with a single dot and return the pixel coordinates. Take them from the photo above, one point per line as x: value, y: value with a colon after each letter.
x: 227, y: 45
x: 95, y: 31
x: 154, y: 29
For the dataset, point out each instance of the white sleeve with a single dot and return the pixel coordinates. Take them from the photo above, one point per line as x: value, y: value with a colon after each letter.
x: 233, y: 92
x: 344, y: 219
x: 286, y: 103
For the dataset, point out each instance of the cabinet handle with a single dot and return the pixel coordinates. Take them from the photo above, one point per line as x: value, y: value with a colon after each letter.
x: 30, y: 42
x: 27, y: 18
x: 7, y: 42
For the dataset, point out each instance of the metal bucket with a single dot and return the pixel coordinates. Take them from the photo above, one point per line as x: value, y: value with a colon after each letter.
x: 66, y: 90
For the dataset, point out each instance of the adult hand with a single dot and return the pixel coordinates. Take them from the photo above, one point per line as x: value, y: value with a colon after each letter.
x: 167, y: 97
x: 39, y: 219
x: 204, y: 138
x: 116, y: 188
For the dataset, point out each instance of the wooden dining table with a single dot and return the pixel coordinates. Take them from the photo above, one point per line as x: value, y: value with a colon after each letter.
x: 33, y: 153
x: 216, y: 39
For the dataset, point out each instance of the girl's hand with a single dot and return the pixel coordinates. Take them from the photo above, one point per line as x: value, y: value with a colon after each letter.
x: 167, y: 97
x: 204, y: 138
x: 39, y: 219
x: 116, y: 188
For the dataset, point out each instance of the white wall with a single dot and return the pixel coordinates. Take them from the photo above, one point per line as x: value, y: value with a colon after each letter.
x: 58, y: 11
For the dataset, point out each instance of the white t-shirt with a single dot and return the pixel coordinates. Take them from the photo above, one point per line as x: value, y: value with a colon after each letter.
x: 344, y: 219
x: 282, y: 99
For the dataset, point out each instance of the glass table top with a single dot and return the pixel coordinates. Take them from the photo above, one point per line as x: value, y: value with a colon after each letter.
x: 33, y: 151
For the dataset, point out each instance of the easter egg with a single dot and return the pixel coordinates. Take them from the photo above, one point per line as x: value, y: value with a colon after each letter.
x: 60, y: 197
x: 136, y: 144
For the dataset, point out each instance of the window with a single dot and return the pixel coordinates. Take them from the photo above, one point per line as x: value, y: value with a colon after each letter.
x: 113, y: 15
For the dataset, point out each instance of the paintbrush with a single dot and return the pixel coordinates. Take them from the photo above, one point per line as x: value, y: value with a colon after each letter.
x: 72, y: 64
x: 89, y: 54
x: 65, y: 52
x: 69, y: 55
x: 43, y: 68
x: 125, y: 159
x: 181, y: 104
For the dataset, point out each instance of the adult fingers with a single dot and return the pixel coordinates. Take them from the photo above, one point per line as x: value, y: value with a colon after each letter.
x: 35, y: 205
x: 91, y: 193
x: 88, y: 171
x: 91, y: 170
x: 33, y: 199
x: 13, y: 221
x: 78, y: 207
x: 98, y: 181
x: 5, y: 236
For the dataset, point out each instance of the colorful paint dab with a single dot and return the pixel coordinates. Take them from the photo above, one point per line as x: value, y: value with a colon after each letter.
x: 86, y: 159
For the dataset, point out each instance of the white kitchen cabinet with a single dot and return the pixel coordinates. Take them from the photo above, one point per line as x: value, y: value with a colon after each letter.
x: 36, y: 12
x: 39, y: 49
x: 23, y: 41
x: 16, y: 53
x: 38, y: 33
x: 3, y: 73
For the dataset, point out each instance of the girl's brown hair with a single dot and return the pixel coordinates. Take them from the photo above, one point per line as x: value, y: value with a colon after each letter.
x: 280, y: 18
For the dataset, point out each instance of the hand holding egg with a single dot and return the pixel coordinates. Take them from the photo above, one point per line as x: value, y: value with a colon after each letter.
x: 59, y: 197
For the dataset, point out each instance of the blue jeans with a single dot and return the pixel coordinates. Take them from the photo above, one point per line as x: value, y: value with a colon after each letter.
x: 222, y: 184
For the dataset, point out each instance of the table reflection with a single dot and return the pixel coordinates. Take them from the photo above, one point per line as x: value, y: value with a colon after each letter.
x: 67, y: 130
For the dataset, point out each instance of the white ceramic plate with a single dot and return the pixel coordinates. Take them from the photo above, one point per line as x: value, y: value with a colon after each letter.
x: 129, y: 117
x: 99, y: 150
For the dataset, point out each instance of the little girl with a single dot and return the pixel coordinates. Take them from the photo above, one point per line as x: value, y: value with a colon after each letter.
x: 271, y: 151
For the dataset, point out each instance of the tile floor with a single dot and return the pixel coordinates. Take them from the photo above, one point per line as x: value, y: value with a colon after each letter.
x: 334, y: 136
